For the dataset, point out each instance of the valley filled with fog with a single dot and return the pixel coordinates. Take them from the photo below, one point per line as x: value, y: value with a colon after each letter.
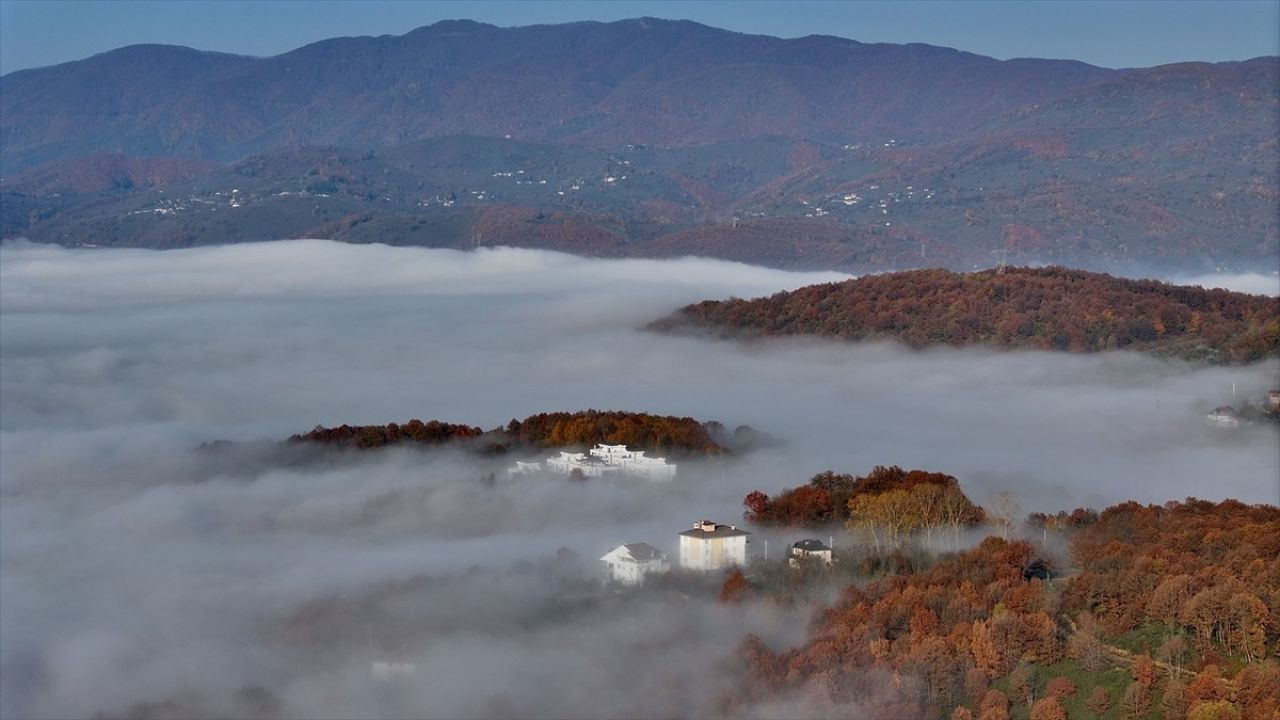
x: 137, y: 566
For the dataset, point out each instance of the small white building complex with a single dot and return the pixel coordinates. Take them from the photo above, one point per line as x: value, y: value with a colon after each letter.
x: 602, y: 460
x: 809, y: 550
x: 587, y: 465
x: 630, y: 563
x: 711, y: 546
x: 1223, y: 416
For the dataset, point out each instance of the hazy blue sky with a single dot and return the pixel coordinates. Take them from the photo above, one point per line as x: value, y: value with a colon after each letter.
x: 1113, y: 34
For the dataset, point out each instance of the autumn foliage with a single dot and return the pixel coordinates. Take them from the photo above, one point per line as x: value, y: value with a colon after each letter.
x: 432, y: 432
x: 637, y: 430
x: 663, y: 433
x: 888, y: 500
x: 1047, y: 308
x: 974, y: 636
x: 1208, y: 570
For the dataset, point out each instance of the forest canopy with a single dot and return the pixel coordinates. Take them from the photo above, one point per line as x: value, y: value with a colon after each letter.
x: 1027, y: 308
x: 834, y: 497
x: 1172, y: 611
x: 639, y: 431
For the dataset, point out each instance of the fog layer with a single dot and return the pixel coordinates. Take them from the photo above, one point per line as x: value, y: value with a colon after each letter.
x: 137, y: 568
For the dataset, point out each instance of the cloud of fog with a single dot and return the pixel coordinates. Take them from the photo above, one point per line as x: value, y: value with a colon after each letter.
x: 1252, y: 283
x: 136, y: 568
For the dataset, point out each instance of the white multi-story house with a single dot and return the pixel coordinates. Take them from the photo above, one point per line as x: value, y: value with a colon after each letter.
x: 602, y: 460
x: 711, y: 546
x: 809, y: 550
x: 630, y: 563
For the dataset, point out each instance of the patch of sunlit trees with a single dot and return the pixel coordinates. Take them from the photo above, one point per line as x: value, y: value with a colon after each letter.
x: 886, y: 506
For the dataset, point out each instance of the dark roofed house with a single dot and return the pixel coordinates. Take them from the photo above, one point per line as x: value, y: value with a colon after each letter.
x: 809, y: 550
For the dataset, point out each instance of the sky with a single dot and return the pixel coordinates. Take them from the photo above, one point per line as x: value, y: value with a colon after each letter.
x: 137, y: 567
x: 1111, y: 34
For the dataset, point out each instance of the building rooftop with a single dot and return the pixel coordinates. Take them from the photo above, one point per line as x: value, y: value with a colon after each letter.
x: 706, y: 529
x: 644, y: 552
x: 811, y: 546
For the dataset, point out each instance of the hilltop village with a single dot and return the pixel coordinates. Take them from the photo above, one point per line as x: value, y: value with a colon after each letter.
x: 706, y: 546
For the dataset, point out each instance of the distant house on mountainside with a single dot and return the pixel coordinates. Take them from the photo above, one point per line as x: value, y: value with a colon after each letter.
x: 1223, y: 416
x: 630, y: 563
x: 602, y: 460
x: 711, y: 546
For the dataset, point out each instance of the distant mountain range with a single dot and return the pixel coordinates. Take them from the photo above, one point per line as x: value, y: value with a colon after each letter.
x: 652, y: 138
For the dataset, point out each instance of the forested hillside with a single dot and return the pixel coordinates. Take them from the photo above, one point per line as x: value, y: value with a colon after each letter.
x: 1165, y: 612
x: 1018, y: 308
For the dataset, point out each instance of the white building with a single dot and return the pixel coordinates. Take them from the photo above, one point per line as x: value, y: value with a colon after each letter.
x: 1224, y: 416
x: 630, y: 563
x: 809, y: 550
x: 602, y: 460
x: 588, y: 465
x: 524, y: 468
x: 634, y: 462
x: 710, y: 546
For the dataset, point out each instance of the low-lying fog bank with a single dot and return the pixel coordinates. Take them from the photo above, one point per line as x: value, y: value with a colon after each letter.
x: 135, y: 567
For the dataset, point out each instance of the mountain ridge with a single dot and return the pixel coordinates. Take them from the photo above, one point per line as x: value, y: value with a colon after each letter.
x: 599, y: 74
x: 644, y: 137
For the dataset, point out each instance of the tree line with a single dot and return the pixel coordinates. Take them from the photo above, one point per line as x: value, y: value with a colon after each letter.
x: 640, y: 431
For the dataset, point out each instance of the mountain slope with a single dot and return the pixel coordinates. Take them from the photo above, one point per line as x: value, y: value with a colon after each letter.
x: 634, y: 81
x: 654, y: 138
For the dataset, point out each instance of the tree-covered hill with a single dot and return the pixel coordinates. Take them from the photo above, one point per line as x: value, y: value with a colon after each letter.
x: 1048, y: 308
x: 640, y: 431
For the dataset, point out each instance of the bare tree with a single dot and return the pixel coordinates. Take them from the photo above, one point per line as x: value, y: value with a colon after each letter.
x: 957, y: 512
x: 1004, y: 509
x: 928, y: 508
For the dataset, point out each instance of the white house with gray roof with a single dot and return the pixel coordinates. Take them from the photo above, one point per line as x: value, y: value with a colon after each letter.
x: 630, y: 563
